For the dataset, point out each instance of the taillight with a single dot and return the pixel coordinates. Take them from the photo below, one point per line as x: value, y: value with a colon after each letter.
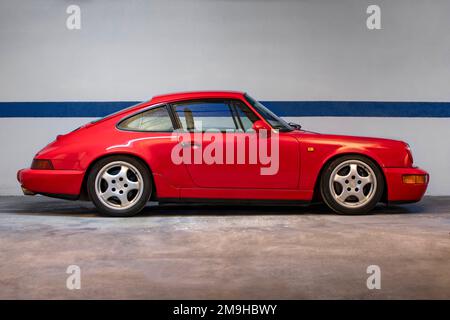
x: 40, y: 164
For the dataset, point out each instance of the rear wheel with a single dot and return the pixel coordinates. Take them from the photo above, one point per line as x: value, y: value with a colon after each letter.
x: 119, y: 186
x: 352, y: 184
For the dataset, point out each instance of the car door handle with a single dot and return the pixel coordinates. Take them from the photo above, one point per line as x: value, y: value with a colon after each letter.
x: 186, y: 144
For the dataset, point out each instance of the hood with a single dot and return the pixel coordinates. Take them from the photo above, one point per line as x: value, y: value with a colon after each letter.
x: 346, y: 139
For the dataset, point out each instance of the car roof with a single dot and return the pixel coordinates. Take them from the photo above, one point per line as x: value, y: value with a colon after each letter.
x: 171, y: 97
x: 195, y: 95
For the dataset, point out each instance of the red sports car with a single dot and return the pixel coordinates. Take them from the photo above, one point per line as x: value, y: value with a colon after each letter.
x: 219, y: 147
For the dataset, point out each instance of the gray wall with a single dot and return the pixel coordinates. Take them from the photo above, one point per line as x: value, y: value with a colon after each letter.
x: 276, y: 50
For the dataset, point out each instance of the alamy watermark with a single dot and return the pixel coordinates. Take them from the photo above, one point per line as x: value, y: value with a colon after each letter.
x: 214, y: 146
x: 374, y: 280
x: 73, y: 21
x: 73, y: 281
x: 373, y: 21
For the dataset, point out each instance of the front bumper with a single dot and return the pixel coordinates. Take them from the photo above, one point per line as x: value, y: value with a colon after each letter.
x: 51, y: 182
x: 398, y: 191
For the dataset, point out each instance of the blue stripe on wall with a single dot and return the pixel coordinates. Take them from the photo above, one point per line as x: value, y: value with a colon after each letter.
x: 61, y: 109
x: 282, y: 108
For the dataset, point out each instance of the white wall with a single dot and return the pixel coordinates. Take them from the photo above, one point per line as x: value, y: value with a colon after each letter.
x: 276, y: 50
x: 21, y: 139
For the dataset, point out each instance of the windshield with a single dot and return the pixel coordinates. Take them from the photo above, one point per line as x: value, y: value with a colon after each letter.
x: 275, y: 121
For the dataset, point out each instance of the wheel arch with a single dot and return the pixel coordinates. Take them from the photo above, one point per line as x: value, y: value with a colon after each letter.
x: 316, y: 192
x: 84, y: 195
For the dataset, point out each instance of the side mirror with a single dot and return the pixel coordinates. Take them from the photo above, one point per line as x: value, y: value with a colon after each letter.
x: 259, y: 125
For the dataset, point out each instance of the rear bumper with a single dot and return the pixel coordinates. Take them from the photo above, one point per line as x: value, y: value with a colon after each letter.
x: 398, y: 191
x: 51, y: 182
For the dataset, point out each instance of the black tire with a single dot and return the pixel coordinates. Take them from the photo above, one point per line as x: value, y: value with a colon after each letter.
x: 138, y: 205
x: 336, y: 206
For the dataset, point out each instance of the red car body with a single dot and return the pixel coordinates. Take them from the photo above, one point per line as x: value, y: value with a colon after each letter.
x: 303, y: 155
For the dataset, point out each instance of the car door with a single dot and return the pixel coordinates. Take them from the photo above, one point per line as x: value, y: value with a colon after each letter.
x: 222, y: 151
x: 150, y: 134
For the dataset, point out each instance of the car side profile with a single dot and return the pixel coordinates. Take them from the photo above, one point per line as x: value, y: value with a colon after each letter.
x: 219, y: 147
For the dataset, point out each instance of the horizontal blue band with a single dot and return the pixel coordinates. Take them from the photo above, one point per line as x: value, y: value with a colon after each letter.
x: 282, y: 108
x: 360, y: 109
x: 74, y: 109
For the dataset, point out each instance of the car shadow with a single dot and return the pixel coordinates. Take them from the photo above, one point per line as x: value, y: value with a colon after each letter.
x: 43, y: 206
x: 86, y: 209
x: 222, y: 210
x: 53, y: 207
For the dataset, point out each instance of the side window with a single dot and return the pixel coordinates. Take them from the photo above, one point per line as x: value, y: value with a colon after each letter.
x: 219, y: 115
x: 246, y: 116
x: 157, y: 119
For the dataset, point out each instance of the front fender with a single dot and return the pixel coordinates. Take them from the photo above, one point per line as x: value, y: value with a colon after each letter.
x: 312, y: 162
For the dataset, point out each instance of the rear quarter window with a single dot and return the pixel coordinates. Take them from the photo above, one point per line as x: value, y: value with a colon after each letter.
x: 153, y: 120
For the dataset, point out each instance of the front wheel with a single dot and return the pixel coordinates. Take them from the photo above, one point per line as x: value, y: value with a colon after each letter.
x: 352, y: 184
x: 119, y: 186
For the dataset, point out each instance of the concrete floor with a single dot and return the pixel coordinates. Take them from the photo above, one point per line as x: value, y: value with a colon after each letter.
x: 188, y: 252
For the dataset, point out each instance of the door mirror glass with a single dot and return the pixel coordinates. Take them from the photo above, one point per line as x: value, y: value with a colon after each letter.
x: 261, y: 125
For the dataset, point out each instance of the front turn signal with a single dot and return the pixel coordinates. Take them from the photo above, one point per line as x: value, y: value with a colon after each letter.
x: 40, y: 164
x: 415, y: 179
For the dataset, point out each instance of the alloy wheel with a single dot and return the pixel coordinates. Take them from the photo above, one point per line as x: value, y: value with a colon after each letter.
x: 353, y: 184
x: 119, y: 185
